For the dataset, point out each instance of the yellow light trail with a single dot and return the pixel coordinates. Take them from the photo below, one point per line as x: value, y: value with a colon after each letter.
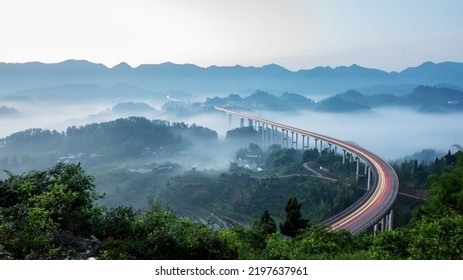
x: 377, y: 204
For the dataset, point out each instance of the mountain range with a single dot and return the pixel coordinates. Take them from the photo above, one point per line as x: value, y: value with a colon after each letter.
x: 19, y: 79
x: 424, y: 99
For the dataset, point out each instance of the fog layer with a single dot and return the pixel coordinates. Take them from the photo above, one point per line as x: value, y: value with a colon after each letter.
x: 389, y: 133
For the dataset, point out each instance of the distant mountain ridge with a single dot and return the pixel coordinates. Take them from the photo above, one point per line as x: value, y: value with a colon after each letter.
x: 424, y: 99
x: 224, y: 79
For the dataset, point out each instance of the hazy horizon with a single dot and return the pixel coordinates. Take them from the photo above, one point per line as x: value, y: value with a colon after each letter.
x: 134, y: 66
x: 295, y: 34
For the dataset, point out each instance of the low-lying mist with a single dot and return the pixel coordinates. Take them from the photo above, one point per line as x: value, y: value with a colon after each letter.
x: 390, y: 133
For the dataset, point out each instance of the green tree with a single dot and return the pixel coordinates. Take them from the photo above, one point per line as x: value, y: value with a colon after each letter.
x: 44, y: 212
x: 437, y: 237
x: 446, y: 192
x: 267, y: 224
x: 294, y: 221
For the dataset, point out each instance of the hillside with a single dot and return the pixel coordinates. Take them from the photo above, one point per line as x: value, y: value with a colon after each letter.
x: 424, y: 99
x: 126, y: 138
x: 73, y: 226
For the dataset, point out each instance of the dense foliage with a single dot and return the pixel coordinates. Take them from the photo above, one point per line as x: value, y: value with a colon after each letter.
x: 52, y: 214
x: 47, y: 214
x: 414, y: 183
x: 122, y: 138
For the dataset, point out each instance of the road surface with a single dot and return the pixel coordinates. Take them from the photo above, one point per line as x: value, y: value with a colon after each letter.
x: 375, y: 204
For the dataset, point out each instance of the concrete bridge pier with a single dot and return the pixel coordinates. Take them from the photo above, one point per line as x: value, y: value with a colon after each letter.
x: 303, y: 143
x: 344, y: 156
x: 383, y: 224
x: 268, y: 135
x: 316, y: 143
x: 282, y: 143
x: 272, y: 135
x: 357, y: 169
x: 329, y: 144
x: 391, y: 215
x: 287, y: 139
x: 386, y: 223
x: 264, y: 133
x: 284, y: 138
x: 249, y: 122
x: 368, y: 178
x: 241, y: 122
x: 294, y: 140
x: 229, y: 119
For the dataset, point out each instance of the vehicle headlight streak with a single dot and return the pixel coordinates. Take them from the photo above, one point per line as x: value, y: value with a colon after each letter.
x: 375, y: 204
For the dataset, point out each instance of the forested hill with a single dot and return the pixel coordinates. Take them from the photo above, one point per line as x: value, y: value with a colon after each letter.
x: 52, y: 214
x: 119, y: 138
x: 424, y: 99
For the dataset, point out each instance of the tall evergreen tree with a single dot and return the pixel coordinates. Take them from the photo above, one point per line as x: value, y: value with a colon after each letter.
x: 294, y: 221
x: 267, y: 224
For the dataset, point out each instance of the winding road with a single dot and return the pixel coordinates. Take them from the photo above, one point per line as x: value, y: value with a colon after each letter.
x: 377, y: 201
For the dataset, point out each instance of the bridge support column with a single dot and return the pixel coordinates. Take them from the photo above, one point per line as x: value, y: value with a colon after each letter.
x: 263, y: 135
x: 391, y: 215
x: 375, y: 230
x: 249, y: 122
x: 335, y: 149
x: 316, y: 143
x: 369, y: 178
x: 344, y: 156
x: 382, y: 224
x: 241, y: 122
x: 292, y: 139
x: 329, y: 144
x: 269, y: 135
x: 282, y: 138
x: 303, y: 143
x: 287, y: 139
x: 229, y: 119
x: 272, y: 136
x: 358, y: 167
x: 321, y: 146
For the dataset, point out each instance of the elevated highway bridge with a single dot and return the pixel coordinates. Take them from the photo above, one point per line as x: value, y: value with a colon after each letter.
x: 374, y: 208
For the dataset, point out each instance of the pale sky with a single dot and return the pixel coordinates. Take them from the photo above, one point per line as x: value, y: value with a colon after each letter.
x: 296, y: 34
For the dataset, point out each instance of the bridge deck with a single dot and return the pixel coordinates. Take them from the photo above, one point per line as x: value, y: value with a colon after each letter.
x: 376, y: 202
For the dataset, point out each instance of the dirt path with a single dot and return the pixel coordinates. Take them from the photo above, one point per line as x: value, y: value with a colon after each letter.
x: 317, y: 174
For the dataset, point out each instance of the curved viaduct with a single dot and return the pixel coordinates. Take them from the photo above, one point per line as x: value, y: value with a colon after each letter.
x: 375, y: 207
